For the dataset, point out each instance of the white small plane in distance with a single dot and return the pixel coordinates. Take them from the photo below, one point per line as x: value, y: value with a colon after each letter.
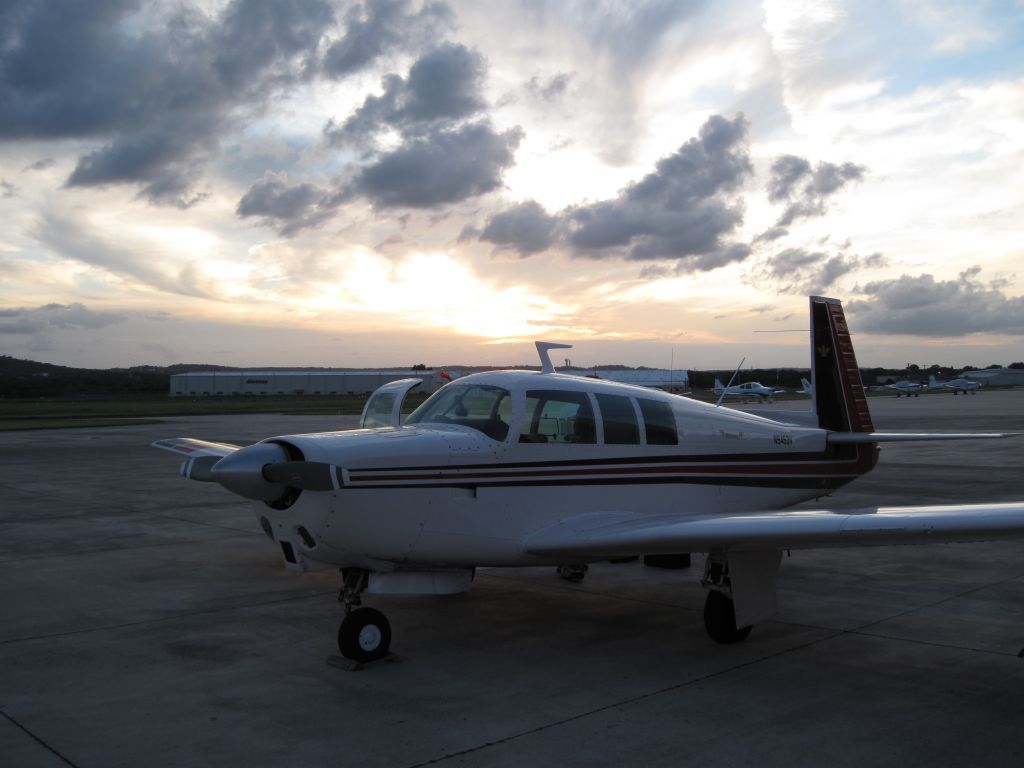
x: 906, y: 387
x: 805, y: 388
x: 531, y: 468
x: 959, y: 384
x: 748, y: 390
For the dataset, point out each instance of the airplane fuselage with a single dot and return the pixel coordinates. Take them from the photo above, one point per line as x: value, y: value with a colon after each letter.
x: 440, y: 493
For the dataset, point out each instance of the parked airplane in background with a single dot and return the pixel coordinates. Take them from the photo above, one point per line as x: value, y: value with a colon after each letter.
x: 959, y: 384
x: 748, y: 390
x: 527, y: 468
x: 805, y: 388
x: 905, y: 387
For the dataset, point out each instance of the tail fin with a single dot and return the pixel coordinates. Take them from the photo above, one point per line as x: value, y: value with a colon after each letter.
x: 839, y: 398
x: 718, y: 385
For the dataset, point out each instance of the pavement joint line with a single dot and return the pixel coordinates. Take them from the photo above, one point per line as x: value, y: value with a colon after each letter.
x: 940, y: 601
x: 108, y: 550
x: 36, y: 738
x: 164, y: 619
x: 861, y: 630
x: 208, y: 525
x: 627, y: 702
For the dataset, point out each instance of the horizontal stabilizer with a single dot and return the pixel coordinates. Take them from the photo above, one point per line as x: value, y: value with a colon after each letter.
x: 618, y: 534
x: 846, y: 438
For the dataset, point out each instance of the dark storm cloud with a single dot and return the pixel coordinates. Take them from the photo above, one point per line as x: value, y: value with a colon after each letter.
x: 806, y: 189
x: 800, y: 271
x: 682, y: 211
x: 157, y: 87
x: 445, y: 166
x: 678, y: 211
x: 526, y: 229
x: 442, y: 87
x: 298, y: 206
x: 923, y: 306
x: 449, y: 151
x: 38, y: 320
x: 375, y: 29
x: 442, y: 167
x: 786, y: 172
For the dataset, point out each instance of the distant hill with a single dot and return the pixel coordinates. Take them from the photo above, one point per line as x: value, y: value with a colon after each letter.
x: 27, y: 378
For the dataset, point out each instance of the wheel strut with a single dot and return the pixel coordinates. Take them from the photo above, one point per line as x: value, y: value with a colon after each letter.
x: 355, y: 581
x: 364, y: 633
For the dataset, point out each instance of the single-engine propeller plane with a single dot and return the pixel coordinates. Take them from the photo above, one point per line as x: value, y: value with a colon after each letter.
x: 750, y: 390
x: 959, y: 384
x: 906, y: 387
x: 526, y: 468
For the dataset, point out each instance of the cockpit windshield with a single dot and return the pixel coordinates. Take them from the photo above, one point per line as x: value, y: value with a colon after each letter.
x: 479, y: 406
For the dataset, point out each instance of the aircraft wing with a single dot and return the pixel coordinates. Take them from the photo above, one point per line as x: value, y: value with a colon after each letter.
x: 617, y: 534
x: 191, y: 447
x: 200, y: 455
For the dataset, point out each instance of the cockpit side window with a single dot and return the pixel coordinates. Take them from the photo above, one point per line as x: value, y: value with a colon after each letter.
x: 378, y: 413
x: 659, y: 422
x: 479, y: 406
x: 556, y: 416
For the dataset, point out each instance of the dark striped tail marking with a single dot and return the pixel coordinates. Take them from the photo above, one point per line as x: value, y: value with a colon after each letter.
x: 839, y: 397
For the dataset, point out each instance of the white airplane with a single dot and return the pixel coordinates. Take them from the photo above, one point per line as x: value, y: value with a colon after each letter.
x: 748, y: 390
x: 959, y: 384
x: 528, y: 468
x: 805, y: 388
x: 906, y: 387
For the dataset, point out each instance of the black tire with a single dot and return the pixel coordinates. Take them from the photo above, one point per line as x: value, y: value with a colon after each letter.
x: 673, y: 561
x: 364, y: 635
x: 720, y: 619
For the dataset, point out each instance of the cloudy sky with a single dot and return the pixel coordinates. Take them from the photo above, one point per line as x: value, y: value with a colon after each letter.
x: 315, y: 182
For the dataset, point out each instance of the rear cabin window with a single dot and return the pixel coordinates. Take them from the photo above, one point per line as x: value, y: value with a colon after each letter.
x: 554, y: 416
x: 619, y: 419
x: 659, y: 421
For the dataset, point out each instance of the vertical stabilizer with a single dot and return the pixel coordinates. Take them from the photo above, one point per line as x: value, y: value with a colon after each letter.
x: 838, y: 393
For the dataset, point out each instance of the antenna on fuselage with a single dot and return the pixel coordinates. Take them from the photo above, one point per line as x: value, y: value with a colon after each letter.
x: 732, y: 378
x: 543, y: 347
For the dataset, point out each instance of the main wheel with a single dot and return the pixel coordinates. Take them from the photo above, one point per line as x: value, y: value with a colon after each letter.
x: 720, y: 619
x: 364, y: 635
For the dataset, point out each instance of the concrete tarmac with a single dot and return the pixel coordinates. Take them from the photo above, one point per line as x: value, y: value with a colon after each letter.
x: 146, y: 621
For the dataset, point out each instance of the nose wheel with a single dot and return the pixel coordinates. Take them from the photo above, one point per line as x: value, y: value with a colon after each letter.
x: 364, y: 635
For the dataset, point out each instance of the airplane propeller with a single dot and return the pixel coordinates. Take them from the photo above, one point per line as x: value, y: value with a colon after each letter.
x: 307, y: 475
x: 266, y: 472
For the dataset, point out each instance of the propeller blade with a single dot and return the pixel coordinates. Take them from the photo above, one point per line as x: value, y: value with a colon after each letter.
x: 307, y: 475
x: 199, y: 468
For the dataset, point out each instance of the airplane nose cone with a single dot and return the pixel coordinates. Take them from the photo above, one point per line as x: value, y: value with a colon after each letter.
x: 241, y: 472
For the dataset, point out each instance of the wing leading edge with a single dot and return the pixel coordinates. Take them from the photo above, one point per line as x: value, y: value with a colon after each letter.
x: 615, y: 534
x: 200, y: 455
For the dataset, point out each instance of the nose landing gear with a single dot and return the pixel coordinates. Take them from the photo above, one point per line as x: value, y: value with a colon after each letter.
x: 365, y: 633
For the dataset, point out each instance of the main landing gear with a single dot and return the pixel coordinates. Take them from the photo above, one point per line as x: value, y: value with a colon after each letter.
x: 365, y: 633
x: 719, y: 609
